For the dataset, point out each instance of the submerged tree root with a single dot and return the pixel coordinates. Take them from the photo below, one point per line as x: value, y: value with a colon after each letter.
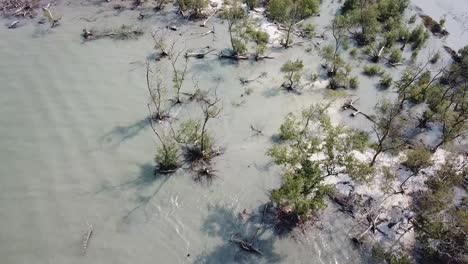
x: 249, y: 246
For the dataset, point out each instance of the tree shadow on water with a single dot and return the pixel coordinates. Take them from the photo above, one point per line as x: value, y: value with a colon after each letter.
x: 143, y: 201
x: 145, y: 178
x: 119, y: 134
x: 255, y: 228
x: 146, y: 186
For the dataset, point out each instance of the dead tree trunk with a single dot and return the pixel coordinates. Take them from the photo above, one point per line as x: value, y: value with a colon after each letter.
x: 198, y: 55
x: 350, y: 105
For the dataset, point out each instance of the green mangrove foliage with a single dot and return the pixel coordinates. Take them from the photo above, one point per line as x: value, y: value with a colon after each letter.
x: 367, y: 18
x: 373, y: 70
x: 337, y: 69
x: 386, y: 81
x: 441, y: 224
x: 237, y: 26
x: 379, y: 25
x: 310, y: 150
x: 289, y: 13
x: 292, y: 73
x: 195, y: 7
x: 195, y: 135
x: 388, y: 128
x: 260, y: 39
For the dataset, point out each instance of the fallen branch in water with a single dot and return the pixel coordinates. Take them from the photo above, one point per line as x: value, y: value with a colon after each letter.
x: 122, y: 33
x: 233, y: 56
x: 13, y: 24
x: 198, y: 55
x: 350, y: 105
x: 206, y: 20
x: 211, y: 31
x: 372, y: 226
x: 87, y: 237
x: 52, y: 19
x: 244, y: 245
x: 263, y: 57
x: 258, y: 132
x: 249, y: 247
x: 246, y: 81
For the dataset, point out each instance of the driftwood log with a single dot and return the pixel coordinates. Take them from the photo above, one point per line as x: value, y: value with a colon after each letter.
x: 209, y: 17
x: 13, y: 24
x: 233, y: 56
x: 245, y: 81
x: 198, y: 55
x: 257, y: 131
x: 86, y: 239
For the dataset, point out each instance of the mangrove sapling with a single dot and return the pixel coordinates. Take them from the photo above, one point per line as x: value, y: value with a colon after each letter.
x: 178, y: 74
x: 260, y: 39
x: 195, y: 135
x: 157, y: 96
x: 354, y: 82
x: 331, y: 53
x: 372, y: 70
x: 292, y: 71
x: 307, y: 30
x: 388, y: 128
x: 395, y: 57
x: 235, y: 16
x: 167, y: 154
x: 211, y: 109
x: 386, y: 81
x: 160, y: 43
x: 337, y: 69
x: 417, y: 159
x: 418, y: 37
x: 333, y: 61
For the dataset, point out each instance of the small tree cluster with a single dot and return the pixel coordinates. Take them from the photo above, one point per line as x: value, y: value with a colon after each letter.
x: 337, y: 69
x: 195, y: 7
x: 304, y: 140
x: 388, y: 128
x: 441, y: 224
x: 292, y: 73
x: 289, y: 13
